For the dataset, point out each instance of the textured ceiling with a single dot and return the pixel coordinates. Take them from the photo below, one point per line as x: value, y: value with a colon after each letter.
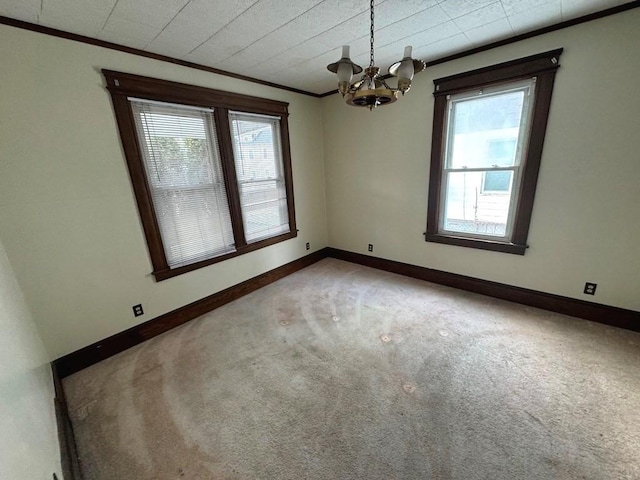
x: 290, y: 42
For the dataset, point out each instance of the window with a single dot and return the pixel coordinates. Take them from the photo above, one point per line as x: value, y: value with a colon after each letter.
x: 263, y: 197
x: 211, y: 170
x: 184, y: 176
x: 488, y: 132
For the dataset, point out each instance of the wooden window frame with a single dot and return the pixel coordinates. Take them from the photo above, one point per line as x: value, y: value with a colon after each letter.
x: 124, y: 85
x: 543, y: 66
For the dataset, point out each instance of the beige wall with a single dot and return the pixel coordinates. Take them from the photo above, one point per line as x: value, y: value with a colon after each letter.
x: 28, y: 438
x: 68, y: 218
x: 586, y: 217
x: 70, y: 226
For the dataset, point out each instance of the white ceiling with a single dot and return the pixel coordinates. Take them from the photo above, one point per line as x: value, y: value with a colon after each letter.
x: 290, y: 42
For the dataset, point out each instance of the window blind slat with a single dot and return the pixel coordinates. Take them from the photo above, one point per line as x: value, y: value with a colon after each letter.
x: 182, y: 163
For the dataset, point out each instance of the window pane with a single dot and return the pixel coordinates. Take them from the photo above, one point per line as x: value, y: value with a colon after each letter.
x: 258, y: 158
x: 469, y: 210
x: 183, y: 170
x: 497, y: 182
x: 484, y: 130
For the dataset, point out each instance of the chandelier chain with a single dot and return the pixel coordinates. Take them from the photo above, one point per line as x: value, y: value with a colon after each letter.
x: 371, y: 64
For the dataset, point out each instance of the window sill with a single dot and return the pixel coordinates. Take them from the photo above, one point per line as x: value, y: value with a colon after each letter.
x: 161, y: 275
x: 477, y: 243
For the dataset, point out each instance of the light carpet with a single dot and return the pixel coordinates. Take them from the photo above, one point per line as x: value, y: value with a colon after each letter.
x: 340, y: 371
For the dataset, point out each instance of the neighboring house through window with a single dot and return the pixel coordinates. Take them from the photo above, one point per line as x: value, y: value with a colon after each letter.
x: 211, y: 170
x: 488, y: 132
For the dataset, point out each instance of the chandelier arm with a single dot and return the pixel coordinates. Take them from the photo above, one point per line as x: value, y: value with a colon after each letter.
x: 356, y: 85
x: 382, y: 80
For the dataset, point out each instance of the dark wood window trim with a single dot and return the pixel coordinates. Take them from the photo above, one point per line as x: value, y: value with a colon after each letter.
x: 124, y: 85
x: 542, y: 66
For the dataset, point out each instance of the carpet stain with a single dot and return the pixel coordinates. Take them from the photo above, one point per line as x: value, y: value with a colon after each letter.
x: 385, y: 338
x: 409, y: 387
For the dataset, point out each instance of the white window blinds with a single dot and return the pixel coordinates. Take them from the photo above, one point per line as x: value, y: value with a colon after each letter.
x: 182, y: 162
x: 258, y: 159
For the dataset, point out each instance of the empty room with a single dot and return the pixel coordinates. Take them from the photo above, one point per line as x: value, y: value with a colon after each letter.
x: 319, y: 239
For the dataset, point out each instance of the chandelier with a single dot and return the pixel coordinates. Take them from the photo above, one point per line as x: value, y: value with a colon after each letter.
x: 372, y: 89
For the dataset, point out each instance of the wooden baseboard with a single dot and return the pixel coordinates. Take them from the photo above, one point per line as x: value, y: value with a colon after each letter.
x: 119, y: 342
x: 68, y: 451
x: 617, y: 317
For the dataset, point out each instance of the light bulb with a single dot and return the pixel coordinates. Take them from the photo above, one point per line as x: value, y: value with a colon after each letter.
x: 406, y: 66
x: 405, y: 71
x: 345, y: 72
x: 344, y: 69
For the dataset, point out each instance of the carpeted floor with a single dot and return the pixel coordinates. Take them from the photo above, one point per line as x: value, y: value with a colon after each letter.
x: 344, y: 372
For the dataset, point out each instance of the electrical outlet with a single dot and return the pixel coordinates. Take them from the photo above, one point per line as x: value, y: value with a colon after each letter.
x: 308, y: 245
x: 137, y: 310
x: 370, y: 247
x: 590, y: 288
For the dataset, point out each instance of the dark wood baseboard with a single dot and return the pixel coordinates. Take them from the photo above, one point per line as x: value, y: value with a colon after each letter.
x: 617, y: 317
x: 68, y: 451
x: 119, y: 342
x: 76, y: 361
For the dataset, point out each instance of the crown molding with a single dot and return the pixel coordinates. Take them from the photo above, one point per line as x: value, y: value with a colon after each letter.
x: 142, y: 53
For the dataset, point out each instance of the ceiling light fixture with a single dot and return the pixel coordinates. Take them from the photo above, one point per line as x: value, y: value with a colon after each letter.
x: 372, y: 90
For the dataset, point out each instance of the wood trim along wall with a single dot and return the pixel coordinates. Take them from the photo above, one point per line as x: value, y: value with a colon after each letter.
x: 524, y: 67
x: 140, y: 86
x: 68, y: 450
x: 524, y: 36
x: 164, y: 58
x: 614, y: 316
x: 119, y: 342
x: 12, y: 22
x: 76, y: 361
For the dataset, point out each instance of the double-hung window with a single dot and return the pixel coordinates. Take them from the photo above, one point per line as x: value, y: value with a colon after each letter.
x: 486, y: 135
x: 261, y: 181
x: 184, y: 175
x: 211, y: 170
x: 488, y: 132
